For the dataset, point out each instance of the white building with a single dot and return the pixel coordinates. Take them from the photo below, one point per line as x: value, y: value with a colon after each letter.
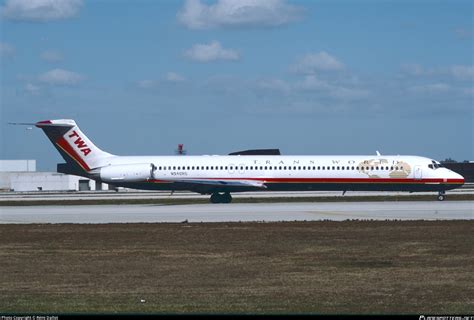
x: 21, y: 175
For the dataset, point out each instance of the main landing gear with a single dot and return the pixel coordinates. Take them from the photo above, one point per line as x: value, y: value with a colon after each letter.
x: 441, y: 195
x: 217, y: 197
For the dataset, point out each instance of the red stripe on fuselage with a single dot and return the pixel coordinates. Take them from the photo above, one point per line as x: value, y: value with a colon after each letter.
x: 66, y: 147
x: 334, y: 180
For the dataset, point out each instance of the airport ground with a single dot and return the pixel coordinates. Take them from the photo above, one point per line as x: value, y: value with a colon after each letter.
x: 309, y: 255
x: 38, y: 198
x: 280, y: 267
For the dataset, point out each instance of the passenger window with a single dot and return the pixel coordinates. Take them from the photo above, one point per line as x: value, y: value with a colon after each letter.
x: 396, y: 168
x: 241, y: 168
x: 376, y: 168
x: 304, y: 168
x: 261, y: 168
x: 294, y: 167
x: 246, y: 168
x: 352, y: 168
x: 279, y: 168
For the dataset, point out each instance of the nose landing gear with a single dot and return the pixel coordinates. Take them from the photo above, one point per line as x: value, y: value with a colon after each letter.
x: 441, y: 195
x: 217, y: 197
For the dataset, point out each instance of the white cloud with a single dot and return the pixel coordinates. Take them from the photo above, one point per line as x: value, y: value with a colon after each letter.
x: 462, y: 72
x: 343, y: 93
x: 430, y: 88
x: 40, y: 10
x: 32, y: 89
x: 468, y: 91
x: 313, y: 62
x: 6, y: 49
x: 312, y: 83
x: 174, y: 77
x: 238, y: 13
x: 211, y: 52
x: 51, y: 56
x: 413, y: 69
x: 60, y: 77
x: 463, y: 33
x: 274, y: 85
x: 147, y: 84
x: 459, y: 72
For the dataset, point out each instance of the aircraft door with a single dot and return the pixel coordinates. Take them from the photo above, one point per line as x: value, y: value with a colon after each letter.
x: 418, y: 172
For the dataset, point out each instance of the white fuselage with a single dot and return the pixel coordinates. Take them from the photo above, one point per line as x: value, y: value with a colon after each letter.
x: 411, y: 173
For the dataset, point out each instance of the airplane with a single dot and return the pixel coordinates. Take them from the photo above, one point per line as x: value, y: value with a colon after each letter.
x: 218, y: 176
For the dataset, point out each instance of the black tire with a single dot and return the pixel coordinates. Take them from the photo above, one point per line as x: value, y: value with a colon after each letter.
x: 227, y: 198
x: 215, y: 198
x: 441, y: 197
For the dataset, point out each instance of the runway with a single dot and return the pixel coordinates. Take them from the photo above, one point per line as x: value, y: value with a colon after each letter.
x: 336, y: 211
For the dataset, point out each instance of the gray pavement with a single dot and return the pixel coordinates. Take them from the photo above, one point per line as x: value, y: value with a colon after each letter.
x: 337, y: 211
x: 142, y: 194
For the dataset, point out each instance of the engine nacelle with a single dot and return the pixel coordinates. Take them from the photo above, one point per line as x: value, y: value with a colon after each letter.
x: 138, y: 172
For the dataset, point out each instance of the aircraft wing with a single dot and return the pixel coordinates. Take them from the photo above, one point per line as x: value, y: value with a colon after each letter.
x: 216, y: 185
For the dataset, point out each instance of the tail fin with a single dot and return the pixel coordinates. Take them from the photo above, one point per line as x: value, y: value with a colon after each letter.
x: 73, y: 145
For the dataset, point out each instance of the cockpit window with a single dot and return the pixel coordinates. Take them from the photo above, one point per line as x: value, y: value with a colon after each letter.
x: 435, y: 165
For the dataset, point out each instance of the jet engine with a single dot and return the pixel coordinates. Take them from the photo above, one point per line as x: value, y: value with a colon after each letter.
x: 137, y: 172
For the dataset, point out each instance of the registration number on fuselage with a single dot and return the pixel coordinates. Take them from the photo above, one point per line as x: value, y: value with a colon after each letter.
x: 179, y: 173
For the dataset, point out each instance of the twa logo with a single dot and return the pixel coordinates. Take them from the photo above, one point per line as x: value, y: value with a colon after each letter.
x: 80, y: 144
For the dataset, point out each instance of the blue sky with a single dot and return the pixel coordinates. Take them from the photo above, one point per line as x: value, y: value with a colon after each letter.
x: 308, y: 77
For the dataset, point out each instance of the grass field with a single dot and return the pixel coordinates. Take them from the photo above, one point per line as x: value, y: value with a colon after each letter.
x: 285, y: 267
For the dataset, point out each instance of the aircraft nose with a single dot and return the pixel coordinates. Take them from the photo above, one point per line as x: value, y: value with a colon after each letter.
x: 457, y: 177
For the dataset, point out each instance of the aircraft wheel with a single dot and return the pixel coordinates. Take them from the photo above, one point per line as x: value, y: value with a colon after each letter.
x: 441, y: 197
x: 221, y: 197
x: 215, y: 198
x: 227, y: 198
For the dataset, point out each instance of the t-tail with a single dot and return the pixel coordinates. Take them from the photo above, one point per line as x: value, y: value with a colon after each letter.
x: 73, y: 144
